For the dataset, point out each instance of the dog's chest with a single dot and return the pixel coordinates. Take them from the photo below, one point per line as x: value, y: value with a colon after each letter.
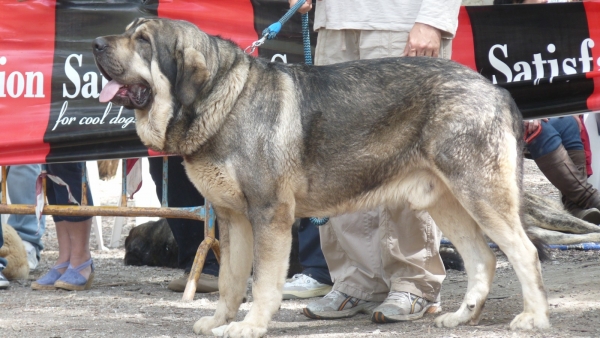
x: 216, y: 182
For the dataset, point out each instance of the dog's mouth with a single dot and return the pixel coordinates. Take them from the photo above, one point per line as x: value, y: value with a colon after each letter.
x: 131, y: 96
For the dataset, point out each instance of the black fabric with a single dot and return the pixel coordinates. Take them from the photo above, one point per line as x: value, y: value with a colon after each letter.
x: 553, y: 32
x: 181, y: 193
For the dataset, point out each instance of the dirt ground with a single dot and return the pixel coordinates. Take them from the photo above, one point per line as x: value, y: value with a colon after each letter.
x: 130, y: 301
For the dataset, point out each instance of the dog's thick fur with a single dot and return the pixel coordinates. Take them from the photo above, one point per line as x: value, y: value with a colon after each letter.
x: 152, y: 244
x: 269, y: 142
x: 107, y: 169
x: 14, y: 252
x: 548, y: 220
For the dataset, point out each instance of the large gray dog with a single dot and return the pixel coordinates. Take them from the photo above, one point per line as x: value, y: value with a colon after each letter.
x: 269, y: 142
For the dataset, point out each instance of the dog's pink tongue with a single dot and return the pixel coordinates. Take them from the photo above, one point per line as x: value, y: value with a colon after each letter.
x: 109, y: 91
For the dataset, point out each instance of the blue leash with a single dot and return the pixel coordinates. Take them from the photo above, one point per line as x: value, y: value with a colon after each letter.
x: 272, y: 31
x: 274, y: 28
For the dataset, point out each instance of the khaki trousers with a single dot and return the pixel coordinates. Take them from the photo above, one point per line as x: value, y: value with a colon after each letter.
x: 372, y: 252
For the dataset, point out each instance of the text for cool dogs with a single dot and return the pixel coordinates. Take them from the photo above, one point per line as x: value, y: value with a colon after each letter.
x: 31, y: 85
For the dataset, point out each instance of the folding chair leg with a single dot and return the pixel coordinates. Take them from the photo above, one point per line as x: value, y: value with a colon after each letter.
x: 97, y: 226
x: 115, y: 237
x: 207, y: 244
x: 94, y: 176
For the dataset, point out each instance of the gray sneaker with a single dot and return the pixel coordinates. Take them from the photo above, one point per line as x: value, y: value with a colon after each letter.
x: 338, y: 305
x: 402, y: 306
x: 3, y: 281
x: 304, y: 286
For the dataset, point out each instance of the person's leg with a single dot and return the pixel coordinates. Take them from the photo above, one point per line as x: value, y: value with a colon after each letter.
x: 413, y: 268
x: 410, y: 243
x: 3, y: 281
x: 188, y: 234
x: 21, y: 190
x: 64, y: 245
x: 547, y: 141
x: 78, y: 237
x: 79, y: 274
x: 73, y: 233
x: 568, y: 128
x: 350, y: 243
x: 46, y: 282
x: 310, y: 253
x: 565, y: 168
x: 314, y: 281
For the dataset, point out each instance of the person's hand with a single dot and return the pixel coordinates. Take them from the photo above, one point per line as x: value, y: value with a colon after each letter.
x: 305, y: 8
x: 532, y: 125
x: 423, y: 40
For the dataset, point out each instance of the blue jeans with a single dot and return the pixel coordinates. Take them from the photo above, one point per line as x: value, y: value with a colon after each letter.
x: 310, y: 254
x: 557, y: 131
x: 21, y: 190
x: 71, y: 173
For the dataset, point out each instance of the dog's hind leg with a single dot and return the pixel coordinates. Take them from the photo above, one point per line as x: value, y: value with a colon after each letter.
x: 506, y: 231
x: 480, y: 262
x: 495, y: 205
x: 236, y: 243
x: 272, y: 242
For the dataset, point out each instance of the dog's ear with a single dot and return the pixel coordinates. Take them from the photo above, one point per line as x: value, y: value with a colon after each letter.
x: 191, y: 75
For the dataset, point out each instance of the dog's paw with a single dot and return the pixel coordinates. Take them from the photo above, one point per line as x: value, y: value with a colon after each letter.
x: 452, y: 319
x: 244, y: 329
x: 205, y: 325
x: 530, y: 321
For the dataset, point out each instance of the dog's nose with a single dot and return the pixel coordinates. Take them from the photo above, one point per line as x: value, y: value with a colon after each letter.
x: 100, y: 45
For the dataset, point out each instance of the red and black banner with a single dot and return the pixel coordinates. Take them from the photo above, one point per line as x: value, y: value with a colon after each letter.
x: 547, y: 56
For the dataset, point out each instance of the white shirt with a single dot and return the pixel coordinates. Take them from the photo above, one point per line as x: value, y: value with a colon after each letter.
x: 392, y: 15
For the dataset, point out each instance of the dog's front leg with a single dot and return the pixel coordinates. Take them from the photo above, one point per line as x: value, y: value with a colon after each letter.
x: 272, y: 240
x: 236, y: 241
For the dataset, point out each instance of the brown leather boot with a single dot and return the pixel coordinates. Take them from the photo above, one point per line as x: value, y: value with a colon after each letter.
x: 566, y: 171
x: 591, y: 215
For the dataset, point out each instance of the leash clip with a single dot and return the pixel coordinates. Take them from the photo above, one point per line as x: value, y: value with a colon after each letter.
x: 255, y: 44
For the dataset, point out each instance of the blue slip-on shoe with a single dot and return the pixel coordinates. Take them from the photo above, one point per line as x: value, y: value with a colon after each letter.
x: 73, y: 280
x: 46, y: 282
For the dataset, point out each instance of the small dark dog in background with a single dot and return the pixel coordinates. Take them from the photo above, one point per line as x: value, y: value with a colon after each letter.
x: 151, y: 244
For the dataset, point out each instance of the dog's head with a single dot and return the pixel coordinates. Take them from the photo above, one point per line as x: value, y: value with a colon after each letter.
x: 150, y: 55
x: 154, y: 67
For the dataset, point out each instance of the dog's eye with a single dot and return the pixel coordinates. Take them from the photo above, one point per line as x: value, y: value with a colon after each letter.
x: 142, y: 39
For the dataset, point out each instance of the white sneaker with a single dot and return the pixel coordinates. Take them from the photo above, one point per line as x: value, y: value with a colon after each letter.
x: 303, y: 286
x: 403, y: 306
x: 31, y: 255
